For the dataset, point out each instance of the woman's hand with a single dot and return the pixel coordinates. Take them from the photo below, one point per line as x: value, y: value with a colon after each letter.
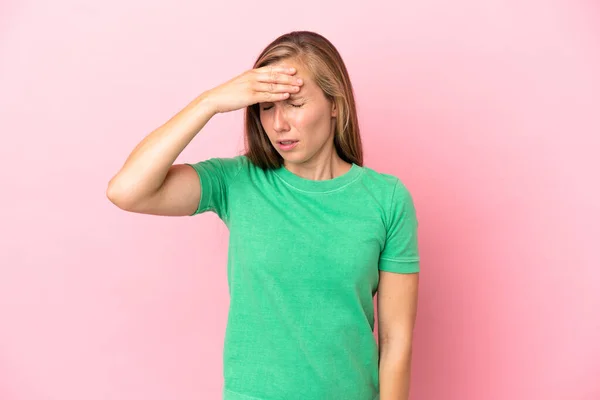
x: 266, y: 84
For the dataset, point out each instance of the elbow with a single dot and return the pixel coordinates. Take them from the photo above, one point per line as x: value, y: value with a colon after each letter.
x: 117, y: 196
x: 398, y: 344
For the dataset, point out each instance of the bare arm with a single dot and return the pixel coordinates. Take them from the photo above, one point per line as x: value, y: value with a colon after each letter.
x: 148, y: 182
x: 396, y: 310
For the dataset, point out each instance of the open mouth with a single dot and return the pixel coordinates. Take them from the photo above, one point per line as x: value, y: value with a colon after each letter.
x: 287, y: 144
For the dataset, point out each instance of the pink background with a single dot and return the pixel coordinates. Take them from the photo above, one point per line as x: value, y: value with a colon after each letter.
x: 489, y: 111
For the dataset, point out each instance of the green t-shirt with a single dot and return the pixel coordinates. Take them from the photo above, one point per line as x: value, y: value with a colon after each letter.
x: 302, y: 270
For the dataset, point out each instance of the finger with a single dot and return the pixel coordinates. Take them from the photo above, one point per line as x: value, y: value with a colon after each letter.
x: 270, y: 96
x: 276, y: 69
x: 276, y: 77
x: 275, y: 87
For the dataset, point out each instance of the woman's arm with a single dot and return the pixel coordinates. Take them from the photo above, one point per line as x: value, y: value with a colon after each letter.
x: 148, y: 182
x: 396, y: 310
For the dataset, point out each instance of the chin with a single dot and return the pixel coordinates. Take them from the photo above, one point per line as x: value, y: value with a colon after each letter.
x: 289, y: 157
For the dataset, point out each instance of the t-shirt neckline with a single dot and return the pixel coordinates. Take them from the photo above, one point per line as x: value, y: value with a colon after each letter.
x: 326, y: 185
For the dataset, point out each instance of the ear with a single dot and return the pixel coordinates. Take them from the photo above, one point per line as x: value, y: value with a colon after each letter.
x: 333, y: 109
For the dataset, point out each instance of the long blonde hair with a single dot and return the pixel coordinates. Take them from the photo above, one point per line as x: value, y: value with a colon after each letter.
x: 328, y: 70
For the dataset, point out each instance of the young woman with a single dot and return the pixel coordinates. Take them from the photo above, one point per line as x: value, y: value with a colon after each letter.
x: 314, y: 234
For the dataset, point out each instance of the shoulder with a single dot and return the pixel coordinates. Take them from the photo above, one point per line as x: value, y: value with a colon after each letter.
x: 387, y: 182
x: 225, y: 169
x: 227, y: 164
x: 389, y: 187
x: 234, y: 163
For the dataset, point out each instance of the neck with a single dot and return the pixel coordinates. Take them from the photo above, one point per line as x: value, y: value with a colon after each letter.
x: 320, y: 167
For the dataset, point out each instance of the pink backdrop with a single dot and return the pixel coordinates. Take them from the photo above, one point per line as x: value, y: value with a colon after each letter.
x: 487, y: 110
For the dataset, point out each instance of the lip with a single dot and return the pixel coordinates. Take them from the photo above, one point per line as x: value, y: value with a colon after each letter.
x: 285, y: 147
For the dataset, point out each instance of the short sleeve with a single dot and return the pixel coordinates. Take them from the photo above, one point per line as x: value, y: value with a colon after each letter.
x: 216, y: 176
x: 401, y: 251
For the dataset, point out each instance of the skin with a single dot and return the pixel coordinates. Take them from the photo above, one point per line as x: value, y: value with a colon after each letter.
x: 396, y: 314
x: 308, y: 116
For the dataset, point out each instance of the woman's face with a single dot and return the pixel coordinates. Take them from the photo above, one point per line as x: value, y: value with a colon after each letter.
x: 306, y: 117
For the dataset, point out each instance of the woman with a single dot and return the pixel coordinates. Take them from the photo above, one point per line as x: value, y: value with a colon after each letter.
x: 313, y: 233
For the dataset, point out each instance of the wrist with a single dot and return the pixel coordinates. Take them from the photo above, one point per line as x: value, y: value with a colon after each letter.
x: 204, y: 104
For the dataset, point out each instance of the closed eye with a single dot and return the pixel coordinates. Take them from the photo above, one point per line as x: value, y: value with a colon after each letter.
x: 293, y: 105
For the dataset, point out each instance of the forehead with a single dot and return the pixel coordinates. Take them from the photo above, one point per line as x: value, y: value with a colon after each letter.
x: 301, y: 72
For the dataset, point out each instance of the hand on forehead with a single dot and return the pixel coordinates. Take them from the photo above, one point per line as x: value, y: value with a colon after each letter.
x: 300, y: 73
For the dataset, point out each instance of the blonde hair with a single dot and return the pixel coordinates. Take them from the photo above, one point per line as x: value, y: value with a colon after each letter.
x: 328, y: 70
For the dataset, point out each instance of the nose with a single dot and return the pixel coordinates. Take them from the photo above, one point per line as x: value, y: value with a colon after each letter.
x: 280, y: 123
